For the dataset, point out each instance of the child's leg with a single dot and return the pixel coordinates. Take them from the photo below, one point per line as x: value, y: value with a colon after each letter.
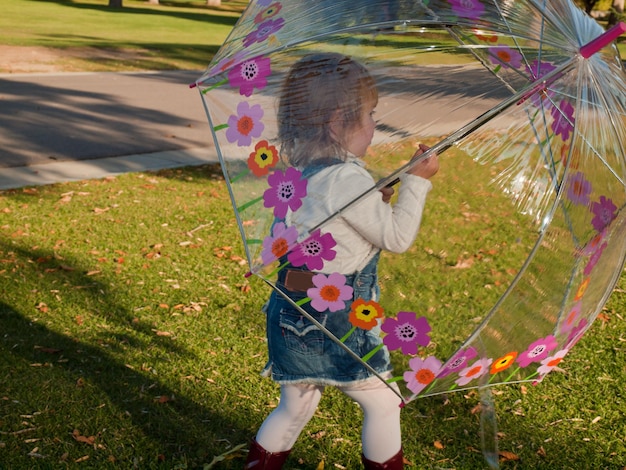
x: 281, y: 428
x: 381, y: 437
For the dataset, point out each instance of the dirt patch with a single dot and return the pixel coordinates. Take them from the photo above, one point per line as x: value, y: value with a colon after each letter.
x: 35, y: 59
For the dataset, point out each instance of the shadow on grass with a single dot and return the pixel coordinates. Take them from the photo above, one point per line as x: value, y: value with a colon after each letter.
x: 69, y: 387
x: 204, y: 16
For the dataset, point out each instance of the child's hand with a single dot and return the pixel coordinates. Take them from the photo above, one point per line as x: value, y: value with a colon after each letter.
x: 426, y: 168
x: 387, y: 193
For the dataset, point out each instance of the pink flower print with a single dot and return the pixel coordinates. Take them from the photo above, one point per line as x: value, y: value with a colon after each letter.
x: 593, y: 259
x: 563, y: 116
x: 329, y: 293
x: 271, y: 11
x: 422, y: 373
x: 245, y: 125
x: 286, y: 191
x: 505, y: 56
x: 604, y: 211
x: 551, y: 362
x: 406, y: 332
x: 476, y: 370
x: 570, y: 320
x: 578, y: 189
x: 278, y: 244
x: 471, y: 9
x: 577, y: 333
x: 313, y: 251
x: 458, y: 361
x: 263, y: 31
x: 250, y: 74
x: 537, y: 351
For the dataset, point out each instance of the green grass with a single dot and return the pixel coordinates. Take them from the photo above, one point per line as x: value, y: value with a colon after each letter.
x: 131, y: 339
x: 177, y: 34
x: 173, y: 35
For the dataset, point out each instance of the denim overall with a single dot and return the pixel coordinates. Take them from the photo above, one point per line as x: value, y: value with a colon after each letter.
x: 299, y: 352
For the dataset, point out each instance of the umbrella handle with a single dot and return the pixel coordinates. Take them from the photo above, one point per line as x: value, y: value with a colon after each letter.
x: 603, y: 40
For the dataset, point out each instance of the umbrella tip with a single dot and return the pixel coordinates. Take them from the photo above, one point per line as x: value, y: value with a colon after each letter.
x: 603, y: 40
x: 248, y: 274
x: 193, y: 85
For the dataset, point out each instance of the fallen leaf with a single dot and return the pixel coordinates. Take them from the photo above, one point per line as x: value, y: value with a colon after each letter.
x: 506, y: 456
x: 48, y: 350
x: 80, y: 438
x: 438, y: 445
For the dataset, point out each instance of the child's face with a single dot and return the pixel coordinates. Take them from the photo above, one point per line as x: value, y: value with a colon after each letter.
x: 357, y: 140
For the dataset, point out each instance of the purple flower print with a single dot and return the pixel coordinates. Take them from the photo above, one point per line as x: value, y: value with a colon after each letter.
x: 250, y: 74
x: 537, y: 351
x: 577, y: 333
x: 471, y: 9
x: 278, y: 244
x: 505, y: 56
x: 406, y: 332
x: 285, y: 192
x: 536, y: 70
x: 264, y: 30
x: 264, y: 3
x: 578, y: 189
x: 422, y: 373
x: 458, y: 361
x: 313, y: 251
x: 245, y: 125
x: 330, y: 292
x: 593, y: 259
x: 604, y: 211
x: 563, y: 116
x: 476, y: 370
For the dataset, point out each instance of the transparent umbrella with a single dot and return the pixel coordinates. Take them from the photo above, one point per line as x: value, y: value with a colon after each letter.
x: 524, y: 102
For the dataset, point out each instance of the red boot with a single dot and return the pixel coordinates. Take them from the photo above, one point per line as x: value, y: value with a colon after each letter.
x: 260, y: 459
x: 394, y: 463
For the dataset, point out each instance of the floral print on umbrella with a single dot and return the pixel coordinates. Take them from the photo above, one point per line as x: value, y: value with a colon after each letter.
x: 473, y: 372
x: 278, y: 244
x: 245, y: 125
x: 330, y: 292
x: 313, y: 251
x: 422, y: 373
x: 265, y: 30
x: 286, y: 191
x: 406, y: 332
x: 537, y: 351
x: 250, y: 74
x: 264, y: 157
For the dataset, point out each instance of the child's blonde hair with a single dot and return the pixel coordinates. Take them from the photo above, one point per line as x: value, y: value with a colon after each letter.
x: 319, y: 89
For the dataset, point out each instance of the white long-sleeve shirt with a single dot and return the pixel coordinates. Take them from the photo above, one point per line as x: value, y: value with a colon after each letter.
x: 367, y: 226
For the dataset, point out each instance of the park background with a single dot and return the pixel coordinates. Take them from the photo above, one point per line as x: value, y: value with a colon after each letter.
x: 129, y: 337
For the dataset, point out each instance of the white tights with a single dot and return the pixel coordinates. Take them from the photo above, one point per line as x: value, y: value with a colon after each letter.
x: 380, y: 435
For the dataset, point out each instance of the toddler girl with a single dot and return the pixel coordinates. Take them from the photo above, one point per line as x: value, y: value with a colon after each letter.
x: 326, y: 124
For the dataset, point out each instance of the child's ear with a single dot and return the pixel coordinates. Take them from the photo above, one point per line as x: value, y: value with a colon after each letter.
x: 335, y: 126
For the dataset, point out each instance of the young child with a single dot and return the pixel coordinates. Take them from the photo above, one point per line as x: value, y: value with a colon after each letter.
x: 326, y: 124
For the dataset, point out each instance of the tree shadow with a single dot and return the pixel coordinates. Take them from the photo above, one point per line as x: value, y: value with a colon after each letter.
x: 79, y: 378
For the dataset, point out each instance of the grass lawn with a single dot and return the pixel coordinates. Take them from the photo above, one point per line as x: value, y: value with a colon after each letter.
x: 130, y: 337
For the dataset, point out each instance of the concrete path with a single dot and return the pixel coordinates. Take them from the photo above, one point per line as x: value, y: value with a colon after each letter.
x: 73, y: 126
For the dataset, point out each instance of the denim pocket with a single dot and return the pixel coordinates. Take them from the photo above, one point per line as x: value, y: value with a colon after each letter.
x: 300, y: 334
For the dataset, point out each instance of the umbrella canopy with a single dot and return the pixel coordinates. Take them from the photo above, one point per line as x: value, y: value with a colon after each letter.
x: 523, y: 100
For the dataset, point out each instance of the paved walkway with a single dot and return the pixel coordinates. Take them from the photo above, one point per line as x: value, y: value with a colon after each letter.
x: 74, y: 126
